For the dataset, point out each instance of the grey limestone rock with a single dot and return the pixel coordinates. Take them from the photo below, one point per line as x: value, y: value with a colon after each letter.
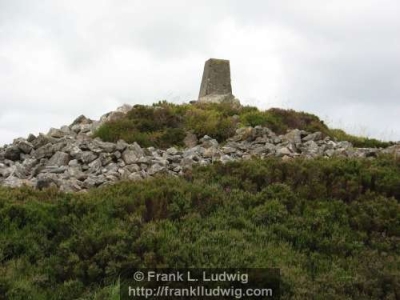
x: 12, y: 153
x: 44, y: 151
x: 59, y: 159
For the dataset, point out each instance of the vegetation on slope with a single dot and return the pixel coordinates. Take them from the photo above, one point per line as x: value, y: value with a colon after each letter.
x: 164, y: 124
x: 331, y: 226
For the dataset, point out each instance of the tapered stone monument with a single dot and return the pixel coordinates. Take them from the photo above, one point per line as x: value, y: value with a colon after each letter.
x: 216, y: 83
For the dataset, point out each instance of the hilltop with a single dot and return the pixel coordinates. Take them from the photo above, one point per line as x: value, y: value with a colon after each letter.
x: 134, y: 143
x: 199, y: 185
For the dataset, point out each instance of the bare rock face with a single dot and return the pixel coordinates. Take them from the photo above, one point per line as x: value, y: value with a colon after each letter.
x: 216, y: 83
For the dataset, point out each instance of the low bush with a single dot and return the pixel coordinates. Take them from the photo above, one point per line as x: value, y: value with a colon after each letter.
x: 164, y: 124
x: 319, y: 221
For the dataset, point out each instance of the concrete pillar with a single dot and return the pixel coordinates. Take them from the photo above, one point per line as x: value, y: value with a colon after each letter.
x: 216, y: 82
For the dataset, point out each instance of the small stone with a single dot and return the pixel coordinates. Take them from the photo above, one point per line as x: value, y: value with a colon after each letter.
x: 46, y: 181
x: 329, y: 152
x: 5, y: 171
x: 135, y: 177
x: 105, y: 158
x: 209, y: 152
x: 54, y: 169
x: 316, y: 136
x: 59, y: 159
x: 106, y: 146
x: 40, y: 141
x: 293, y: 136
x: 190, y: 140
x: 56, y: 133
x: 172, y: 151
x: 95, y: 166
x: 76, y: 172
x: 31, y: 137
x: 71, y: 186
x: 21, y: 171
x: 133, y: 168
x: 226, y: 158
x: 283, y: 151
x: 156, y: 168
x: 344, y: 145
x: 81, y: 120
x: 12, y: 153
x: 130, y: 157
x: 87, y: 157
x: 177, y: 169
x: 44, y: 151
x: 243, y: 133
x: 228, y: 150
x: 132, y: 154
x: 23, y: 145
x: 121, y: 145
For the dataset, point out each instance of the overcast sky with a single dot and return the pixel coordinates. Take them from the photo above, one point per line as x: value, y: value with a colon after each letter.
x: 337, y: 59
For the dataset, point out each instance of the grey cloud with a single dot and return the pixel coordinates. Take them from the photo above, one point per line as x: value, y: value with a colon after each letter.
x: 64, y: 58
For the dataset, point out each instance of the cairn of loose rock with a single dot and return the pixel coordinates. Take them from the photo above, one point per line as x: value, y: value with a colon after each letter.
x: 70, y: 159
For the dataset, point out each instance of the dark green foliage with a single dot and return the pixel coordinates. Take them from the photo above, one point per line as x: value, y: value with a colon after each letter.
x: 280, y: 120
x: 164, y: 124
x: 358, y: 141
x: 331, y: 226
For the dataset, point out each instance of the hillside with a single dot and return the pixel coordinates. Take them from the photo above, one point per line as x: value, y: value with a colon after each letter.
x: 138, y: 142
x: 331, y: 226
x: 199, y: 185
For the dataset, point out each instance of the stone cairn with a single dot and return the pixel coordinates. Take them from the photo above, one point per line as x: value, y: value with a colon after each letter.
x: 70, y: 159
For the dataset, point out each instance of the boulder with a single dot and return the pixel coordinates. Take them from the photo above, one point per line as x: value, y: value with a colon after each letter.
x: 228, y: 150
x: 283, y: 151
x: 105, y: 146
x: 293, y: 136
x: 316, y: 136
x: 31, y: 137
x: 135, y: 176
x: 59, y: 159
x: 95, y: 166
x: 86, y: 157
x: 76, y: 172
x: 40, y: 141
x: 47, y: 180
x: 44, y: 151
x: 56, y: 133
x: 81, y: 120
x: 132, y: 154
x: 23, y: 145
x: 156, y: 168
x: 121, y: 145
x: 208, y: 142
x: 71, y: 186
x: 172, y: 151
x: 12, y: 153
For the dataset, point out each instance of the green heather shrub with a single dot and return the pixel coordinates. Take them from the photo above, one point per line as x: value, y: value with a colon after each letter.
x: 210, y: 122
x: 331, y: 226
x: 358, y: 141
x: 165, y: 124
